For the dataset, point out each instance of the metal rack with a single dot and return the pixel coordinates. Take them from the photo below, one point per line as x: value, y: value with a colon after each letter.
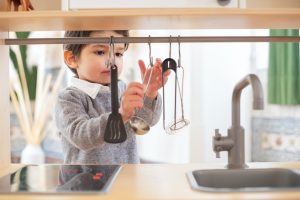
x: 171, y: 39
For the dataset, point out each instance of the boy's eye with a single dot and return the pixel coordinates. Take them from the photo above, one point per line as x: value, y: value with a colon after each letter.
x: 119, y: 54
x: 100, y: 53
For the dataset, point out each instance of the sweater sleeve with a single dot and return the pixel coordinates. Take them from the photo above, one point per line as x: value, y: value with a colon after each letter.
x: 75, y: 124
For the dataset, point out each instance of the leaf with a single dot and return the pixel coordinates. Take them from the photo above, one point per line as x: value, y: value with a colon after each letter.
x: 30, y: 73
x: 13, y: 59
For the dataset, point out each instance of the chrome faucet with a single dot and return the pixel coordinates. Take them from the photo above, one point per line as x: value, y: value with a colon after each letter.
x: 234, y: 142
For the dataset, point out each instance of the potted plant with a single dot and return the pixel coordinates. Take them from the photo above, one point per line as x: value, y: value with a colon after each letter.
x: 32, y: 97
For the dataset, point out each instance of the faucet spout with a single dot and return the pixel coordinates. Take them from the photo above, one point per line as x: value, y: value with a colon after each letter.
x: 258, y: 97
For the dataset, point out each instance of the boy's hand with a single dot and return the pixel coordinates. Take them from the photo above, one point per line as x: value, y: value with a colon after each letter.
x: 156, y: 79
x: 131, y: 98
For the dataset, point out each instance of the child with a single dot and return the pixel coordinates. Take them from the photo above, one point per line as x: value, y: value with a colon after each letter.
x: 82, y: 109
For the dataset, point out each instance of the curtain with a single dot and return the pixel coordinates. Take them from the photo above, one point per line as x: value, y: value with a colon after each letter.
x: 284, y: 70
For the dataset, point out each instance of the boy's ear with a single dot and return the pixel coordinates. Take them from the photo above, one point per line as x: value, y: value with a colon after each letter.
x: 70, y: 59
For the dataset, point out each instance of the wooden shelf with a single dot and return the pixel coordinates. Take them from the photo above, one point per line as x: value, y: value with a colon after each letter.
x: 134, y: 19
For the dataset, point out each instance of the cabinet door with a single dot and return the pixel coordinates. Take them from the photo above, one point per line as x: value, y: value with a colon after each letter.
x: 92, y: 4
x: 271, y: 3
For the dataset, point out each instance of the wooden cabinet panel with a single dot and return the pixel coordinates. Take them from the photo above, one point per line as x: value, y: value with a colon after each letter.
x: 92, y: 4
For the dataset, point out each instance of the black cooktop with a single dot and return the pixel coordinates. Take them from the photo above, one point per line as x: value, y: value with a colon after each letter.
x: 60, y: 179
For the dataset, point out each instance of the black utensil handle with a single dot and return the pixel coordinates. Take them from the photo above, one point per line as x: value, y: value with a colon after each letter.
x: 169, y: 63
x: 114, y: 90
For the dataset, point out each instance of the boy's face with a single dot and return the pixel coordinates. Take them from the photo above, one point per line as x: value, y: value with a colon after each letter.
x: 91, y: 63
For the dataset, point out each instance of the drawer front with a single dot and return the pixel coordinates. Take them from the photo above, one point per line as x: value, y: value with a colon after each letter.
x: 100, y: 4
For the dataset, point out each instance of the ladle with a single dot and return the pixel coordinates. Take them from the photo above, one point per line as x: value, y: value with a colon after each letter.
x: 138, y: 124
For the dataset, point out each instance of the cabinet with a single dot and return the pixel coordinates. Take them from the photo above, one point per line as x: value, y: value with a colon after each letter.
x: 133, y: 19
x: 91, y: 4
x: 151, y: 18
x: 271, y: 3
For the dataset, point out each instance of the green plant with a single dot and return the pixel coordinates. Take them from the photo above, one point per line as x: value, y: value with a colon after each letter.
x: 30, y: 71
x: 24, y: 86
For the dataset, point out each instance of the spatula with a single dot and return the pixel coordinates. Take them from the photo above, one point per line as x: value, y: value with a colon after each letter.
x: 115, y: 131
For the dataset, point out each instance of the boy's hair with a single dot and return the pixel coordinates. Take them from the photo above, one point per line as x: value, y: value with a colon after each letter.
x: 77, y: 48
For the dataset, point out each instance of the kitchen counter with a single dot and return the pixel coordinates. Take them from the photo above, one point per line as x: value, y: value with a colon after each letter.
x: 162, y: 181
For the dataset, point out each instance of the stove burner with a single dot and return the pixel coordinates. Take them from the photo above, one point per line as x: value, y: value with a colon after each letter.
x: 45, y: 179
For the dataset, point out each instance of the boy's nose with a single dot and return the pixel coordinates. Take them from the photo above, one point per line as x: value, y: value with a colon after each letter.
x: 109, y: 60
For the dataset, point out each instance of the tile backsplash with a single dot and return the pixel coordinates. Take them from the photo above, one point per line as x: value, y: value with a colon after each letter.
x: 275, y: 139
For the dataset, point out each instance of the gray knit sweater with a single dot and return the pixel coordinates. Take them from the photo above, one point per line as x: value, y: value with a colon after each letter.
x: 81, y: 121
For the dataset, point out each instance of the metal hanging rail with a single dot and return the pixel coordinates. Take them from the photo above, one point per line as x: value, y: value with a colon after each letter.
x: 170, y: 39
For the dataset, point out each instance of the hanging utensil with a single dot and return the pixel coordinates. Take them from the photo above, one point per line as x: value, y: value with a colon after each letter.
x: 138, y: 124
x: 181, y: 122
x: 115, y: 131
x: 167, y: 64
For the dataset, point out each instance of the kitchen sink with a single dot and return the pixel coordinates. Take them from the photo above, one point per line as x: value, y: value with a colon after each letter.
x: 245, y: 180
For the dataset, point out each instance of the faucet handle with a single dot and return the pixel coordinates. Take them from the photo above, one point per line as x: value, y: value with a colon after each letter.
x: 217, y: 137
x: 217, y: 134
x: 217, y: 154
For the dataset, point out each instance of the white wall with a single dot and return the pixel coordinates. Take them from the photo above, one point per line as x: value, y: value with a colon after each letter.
x: 216, y: 68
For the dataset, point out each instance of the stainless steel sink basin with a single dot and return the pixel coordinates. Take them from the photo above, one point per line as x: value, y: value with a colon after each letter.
x: 245, y: 180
